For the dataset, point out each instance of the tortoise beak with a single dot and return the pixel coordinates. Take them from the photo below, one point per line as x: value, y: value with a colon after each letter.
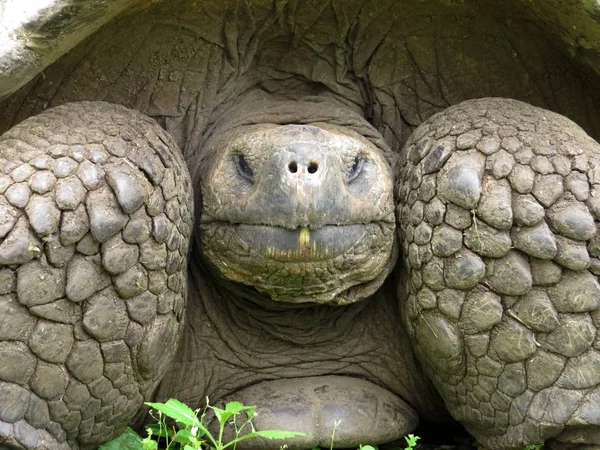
x: 303, y: 243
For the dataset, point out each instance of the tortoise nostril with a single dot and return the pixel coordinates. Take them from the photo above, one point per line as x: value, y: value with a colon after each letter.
x: 313, y: 167
x: 293, y: 167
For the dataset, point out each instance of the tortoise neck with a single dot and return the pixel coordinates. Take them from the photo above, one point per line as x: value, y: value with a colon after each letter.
x: 250, y: 312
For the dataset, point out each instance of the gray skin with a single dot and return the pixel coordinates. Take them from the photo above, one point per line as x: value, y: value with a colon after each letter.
x: 369, y: 281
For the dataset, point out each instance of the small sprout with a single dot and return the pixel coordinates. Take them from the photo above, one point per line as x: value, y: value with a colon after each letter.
x: 411, y: 441
x: 336, y: 424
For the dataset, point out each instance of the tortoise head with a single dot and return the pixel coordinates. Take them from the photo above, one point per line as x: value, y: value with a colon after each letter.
x: 302, y: 212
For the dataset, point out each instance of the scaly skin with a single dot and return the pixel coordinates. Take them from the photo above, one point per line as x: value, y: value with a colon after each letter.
x: 95, y: 220
x: 498, y: 203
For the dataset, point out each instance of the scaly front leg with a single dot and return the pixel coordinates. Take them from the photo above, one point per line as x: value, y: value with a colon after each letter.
x: 95, y: 220
x: 498, y: 206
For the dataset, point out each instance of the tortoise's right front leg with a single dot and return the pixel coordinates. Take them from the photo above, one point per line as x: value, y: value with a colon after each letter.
x: 500, y: 219
x: 95, y: 220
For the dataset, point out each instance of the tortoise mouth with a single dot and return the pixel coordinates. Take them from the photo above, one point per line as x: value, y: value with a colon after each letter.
x: 303, y: 243
x: 331, y: 264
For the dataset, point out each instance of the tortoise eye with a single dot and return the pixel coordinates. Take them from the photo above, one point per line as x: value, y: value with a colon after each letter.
x: 356, y: 169
x: 244, y: 168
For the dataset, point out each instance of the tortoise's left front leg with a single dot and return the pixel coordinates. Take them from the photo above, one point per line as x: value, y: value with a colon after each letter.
x: 95, y: 220
x: 498, y: 210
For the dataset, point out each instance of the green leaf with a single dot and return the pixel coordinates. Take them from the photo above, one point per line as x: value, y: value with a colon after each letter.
x: 367, y: 447
x: 176, y: 410
x: 185, y: 436
x: 236, y: 407
x: 411, y: 441
x: 149, y: 444
x: 203, y: 432
x: 128, y: 440
x: 278, y: 434
x: 221, y: 414
x: 160, y: 431
x: 269, y: 434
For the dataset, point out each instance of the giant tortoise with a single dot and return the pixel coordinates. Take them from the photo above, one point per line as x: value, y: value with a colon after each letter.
x: 334, y: 210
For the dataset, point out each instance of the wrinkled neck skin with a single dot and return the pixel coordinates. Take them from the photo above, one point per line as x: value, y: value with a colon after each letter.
x: 236, y: 336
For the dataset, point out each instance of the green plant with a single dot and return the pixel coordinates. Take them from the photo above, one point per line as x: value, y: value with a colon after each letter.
x: 191, y: 432
x: 411, y: 441
x: 535, y: 446
x: 128, y: 440
x: 336, y: 424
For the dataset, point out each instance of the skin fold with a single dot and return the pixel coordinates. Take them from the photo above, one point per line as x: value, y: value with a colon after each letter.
x: 303, y: 209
